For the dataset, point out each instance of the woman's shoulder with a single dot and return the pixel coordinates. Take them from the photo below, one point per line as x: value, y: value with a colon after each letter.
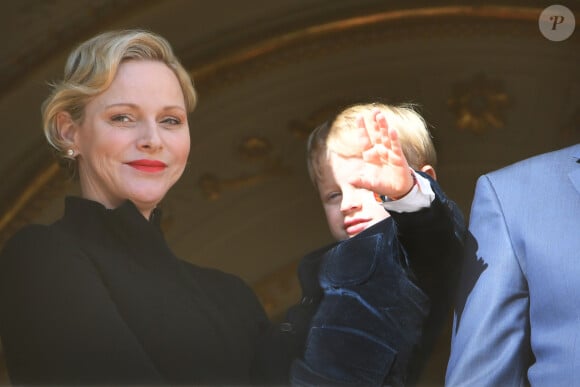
x: 32, y: 243
x: 32, y: 236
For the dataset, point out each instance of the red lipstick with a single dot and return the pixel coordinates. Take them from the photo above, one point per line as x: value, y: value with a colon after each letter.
x: 148, y: 165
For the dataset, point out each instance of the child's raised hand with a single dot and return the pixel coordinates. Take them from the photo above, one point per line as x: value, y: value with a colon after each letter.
x: 386, y: 171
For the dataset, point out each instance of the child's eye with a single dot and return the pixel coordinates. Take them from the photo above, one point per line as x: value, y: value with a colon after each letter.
x: 333, y: 196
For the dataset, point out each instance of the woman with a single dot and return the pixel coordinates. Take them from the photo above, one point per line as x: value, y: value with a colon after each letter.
x: 98, y: 297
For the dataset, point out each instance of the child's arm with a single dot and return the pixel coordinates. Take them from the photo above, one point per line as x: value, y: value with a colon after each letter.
x: 432, y: 233
x: 433, y: 239
x: 431, y: 229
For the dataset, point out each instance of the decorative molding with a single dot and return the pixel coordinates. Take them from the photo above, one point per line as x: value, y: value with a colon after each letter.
x: 301, y: 129
x: 63, y: 30
x: 317, y: 40
x: 48, y: 183
x: 479, y: 104
x: 278, y: 290
x: 250, y: 150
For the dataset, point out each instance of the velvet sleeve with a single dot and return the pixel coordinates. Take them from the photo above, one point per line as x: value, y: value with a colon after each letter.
x: 57, y: 321
x: 433, y: 239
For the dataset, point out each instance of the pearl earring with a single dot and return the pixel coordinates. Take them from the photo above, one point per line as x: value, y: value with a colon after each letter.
x: 70, y: 152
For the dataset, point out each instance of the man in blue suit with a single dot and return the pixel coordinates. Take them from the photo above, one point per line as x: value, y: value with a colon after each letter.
x: 517, y: 318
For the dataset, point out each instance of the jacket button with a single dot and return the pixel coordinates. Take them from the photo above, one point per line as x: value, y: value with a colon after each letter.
x: 286, y: 327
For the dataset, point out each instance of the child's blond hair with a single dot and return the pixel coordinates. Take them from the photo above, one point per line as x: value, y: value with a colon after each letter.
x: 340, y: 135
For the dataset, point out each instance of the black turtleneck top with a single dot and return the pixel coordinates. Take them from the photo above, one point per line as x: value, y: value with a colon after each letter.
x: 99, y: 298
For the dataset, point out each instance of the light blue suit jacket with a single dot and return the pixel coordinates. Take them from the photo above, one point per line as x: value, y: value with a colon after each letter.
x: 517, y: 317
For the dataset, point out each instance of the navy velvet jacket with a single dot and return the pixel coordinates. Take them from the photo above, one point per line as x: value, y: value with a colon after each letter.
x: 98, y: 298
x: 378, y: 301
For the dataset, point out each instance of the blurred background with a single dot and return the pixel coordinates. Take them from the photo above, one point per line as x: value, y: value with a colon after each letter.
x: 492, y: 86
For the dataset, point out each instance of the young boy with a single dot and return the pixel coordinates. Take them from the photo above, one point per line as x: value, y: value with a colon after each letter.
x: 380, y: 295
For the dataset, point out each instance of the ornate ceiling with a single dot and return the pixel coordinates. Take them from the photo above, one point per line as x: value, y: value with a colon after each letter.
x: 492, y: 87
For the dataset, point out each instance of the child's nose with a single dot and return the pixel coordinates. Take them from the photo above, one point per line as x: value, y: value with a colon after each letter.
x: 350, y: 201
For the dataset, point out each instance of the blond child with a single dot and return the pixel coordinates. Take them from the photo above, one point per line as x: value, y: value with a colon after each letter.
x: 360, y: 143
x: 376, y: 312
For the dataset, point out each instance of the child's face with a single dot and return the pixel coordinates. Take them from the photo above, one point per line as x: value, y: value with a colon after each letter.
x: 349, y: 210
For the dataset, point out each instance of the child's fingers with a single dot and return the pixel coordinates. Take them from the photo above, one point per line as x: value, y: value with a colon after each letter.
x: 383, y: 153
x: 395, y: 144
x: 363, y: 135
x: 375, y: 130
x: 384, y: 130
x: 397, y: 149
x: 372, y: 156
x: 383, y: 125
x: 363, y: 181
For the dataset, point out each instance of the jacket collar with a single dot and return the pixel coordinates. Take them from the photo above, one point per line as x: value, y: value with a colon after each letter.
x: 80, y: 211
x: 91, y: 222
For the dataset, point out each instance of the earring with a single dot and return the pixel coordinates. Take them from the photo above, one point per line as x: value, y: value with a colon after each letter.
x: 70, y: 153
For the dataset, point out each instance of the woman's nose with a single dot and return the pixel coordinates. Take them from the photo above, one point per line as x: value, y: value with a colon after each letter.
x: 150, y: 139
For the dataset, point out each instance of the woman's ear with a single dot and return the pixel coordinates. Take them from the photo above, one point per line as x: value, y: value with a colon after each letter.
x: 66, y: 128
x: 428, y: 169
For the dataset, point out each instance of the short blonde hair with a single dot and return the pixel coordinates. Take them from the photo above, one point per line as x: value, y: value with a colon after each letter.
x: 340, y: 133
x: 91, y: 68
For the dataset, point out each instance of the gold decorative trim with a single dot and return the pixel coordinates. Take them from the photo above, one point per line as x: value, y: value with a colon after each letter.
x: 251, y: 149
x: 278, y: 290
x: 96, y: 16
x: 510, y: 13
x: 10, y: 218
x: 479, y: 104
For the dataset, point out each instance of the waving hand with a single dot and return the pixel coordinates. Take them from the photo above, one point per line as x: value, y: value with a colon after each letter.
x: 386, y: 170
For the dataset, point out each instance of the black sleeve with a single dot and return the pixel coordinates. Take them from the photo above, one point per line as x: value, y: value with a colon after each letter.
x: 433, y: 239
x: 57, y: 321
x: 271, y: 350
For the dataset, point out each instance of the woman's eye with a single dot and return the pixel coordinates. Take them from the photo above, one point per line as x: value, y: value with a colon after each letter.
x: 171, y: 121
x: 120, y: 118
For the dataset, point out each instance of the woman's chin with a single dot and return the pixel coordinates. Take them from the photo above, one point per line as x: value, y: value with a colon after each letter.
x: 146, y: 199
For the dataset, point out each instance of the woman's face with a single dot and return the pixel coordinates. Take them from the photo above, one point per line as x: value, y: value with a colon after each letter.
x: 133, y: 142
